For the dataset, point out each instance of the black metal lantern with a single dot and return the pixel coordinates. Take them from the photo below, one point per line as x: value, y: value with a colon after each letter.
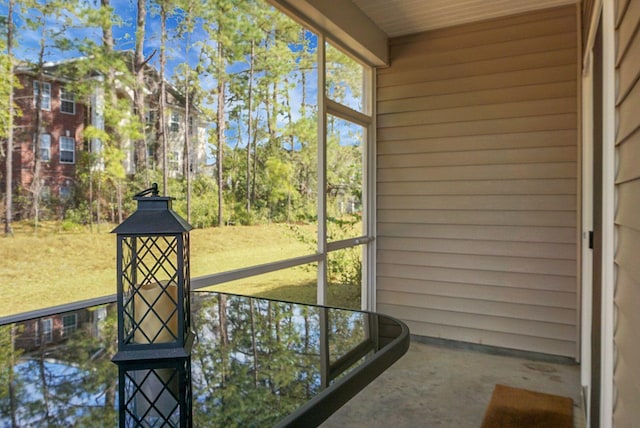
x: 156, y: 394
x: 154, y: 316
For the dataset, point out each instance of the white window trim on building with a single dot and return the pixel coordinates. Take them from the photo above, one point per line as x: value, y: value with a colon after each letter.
x: 45, y: 99
x: 174, y: 121
x: 69, y: 327
x: 72, y: 142
x: 66, y: 98
x: 47, y: 330
x: 45, y: 147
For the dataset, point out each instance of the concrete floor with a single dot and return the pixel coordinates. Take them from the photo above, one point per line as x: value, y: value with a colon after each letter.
x: 439, y: 385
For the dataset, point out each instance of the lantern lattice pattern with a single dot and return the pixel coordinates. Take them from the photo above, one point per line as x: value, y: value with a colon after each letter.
x: 158, y: 396
x: 151, y: 275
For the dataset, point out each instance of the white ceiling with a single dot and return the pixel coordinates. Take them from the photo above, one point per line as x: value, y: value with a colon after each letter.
x: 401, y: 17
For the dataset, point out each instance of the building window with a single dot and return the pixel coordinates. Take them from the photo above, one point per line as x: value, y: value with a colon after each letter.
x: 67, y: 150
x: 47, y: 330
x: 65, y: 192
x: 69, y: 324
x: 174, y: 124
x: 45, y: 191
x: 44, y: 95
x: 174, y: 161
x: 67, y: 101
x: 45, y: 147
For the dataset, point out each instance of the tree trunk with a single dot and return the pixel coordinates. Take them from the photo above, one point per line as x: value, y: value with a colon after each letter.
x: 140, y: 154
x: 36, y: 183
x: 110, y: 95
x: 8, y: 215
x: 12, y: 386
x: 250, y: 129
x: 220, y: 133
x: 163, y: 98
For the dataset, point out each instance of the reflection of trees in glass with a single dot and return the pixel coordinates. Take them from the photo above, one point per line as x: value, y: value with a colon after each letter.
x: 254, y: 362
x: 71, y: 383
x: 9, y: 384
x: 264, y: 362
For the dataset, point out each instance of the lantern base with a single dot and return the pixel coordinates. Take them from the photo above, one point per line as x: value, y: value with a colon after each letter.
x: 151, y: 353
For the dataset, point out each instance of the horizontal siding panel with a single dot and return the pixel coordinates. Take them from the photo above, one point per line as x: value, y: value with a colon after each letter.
x: 469, y: 247
x: 629, y: 159
x: 628, y: 209
x: 504, y: 340
x: 480, y: 172
x: 481, y: 53
x: 479, y: 262
x: 485, y: 322
x: 558, y: 283
x: 479, y: 142
x: 628, y: 251
x: 514, y: 63
x: 628, y: 118
x: 486, y: 218
x: 477, y: 182
x: 627, y: 34
x: 482, y: 97
x: 480, y: 127
x: 500, y: 233
x: 496, y: 80
x: 566, y: 186
x: 627, y: 297
x: 543, y: 15
x: 528, y: 30
x: 494, y: 111
x: 481, y: 292
x: 626, y: 374
x: 479, y: 157
x: 480, y: 202
x: 628, y: 70
x: 627, y: 412
x: 621, y: 8
x: 525, y: 311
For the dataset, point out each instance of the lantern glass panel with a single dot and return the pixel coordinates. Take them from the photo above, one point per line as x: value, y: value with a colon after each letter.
x: 151, y: 275
x: 156, y: 396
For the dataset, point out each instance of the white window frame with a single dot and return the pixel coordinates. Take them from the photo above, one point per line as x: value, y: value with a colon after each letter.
x: 45, y: 144
x: 47, y: 330
x: 64, y: 192
x: 69, y: 329
x: 175, y: 161
x: 67, y: 97
x: 45, y: 100
x: 72, y: 141
x: 174, y: 121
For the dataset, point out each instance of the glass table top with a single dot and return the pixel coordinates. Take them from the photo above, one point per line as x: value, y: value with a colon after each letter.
x: 254, y: 362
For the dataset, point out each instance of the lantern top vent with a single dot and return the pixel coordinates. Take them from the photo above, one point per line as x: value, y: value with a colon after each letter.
x: 153, y: 216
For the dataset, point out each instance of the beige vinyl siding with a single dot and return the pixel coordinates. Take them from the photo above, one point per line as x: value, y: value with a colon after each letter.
x: 477, y: 182
x: 627, y: 220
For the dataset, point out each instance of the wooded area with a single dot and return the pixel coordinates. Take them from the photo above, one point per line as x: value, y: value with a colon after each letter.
x: 241, y: 68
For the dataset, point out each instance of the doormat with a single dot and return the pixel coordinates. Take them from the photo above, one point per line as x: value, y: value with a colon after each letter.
x: 520, y: 408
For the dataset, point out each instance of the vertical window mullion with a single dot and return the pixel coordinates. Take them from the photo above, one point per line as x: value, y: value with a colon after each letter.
x: 368, y: 294
x: 322, y: 174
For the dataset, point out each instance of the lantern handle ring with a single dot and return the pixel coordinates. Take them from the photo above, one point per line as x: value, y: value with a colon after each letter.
x: 153, y: 191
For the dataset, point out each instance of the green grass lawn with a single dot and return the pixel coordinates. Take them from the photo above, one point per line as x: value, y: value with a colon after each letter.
x: 54, y: 267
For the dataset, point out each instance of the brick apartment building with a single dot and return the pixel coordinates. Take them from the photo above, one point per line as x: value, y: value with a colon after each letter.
x: 63, y: 118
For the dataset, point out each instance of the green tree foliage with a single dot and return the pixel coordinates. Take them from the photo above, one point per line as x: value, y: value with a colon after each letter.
x: 245, y: 71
